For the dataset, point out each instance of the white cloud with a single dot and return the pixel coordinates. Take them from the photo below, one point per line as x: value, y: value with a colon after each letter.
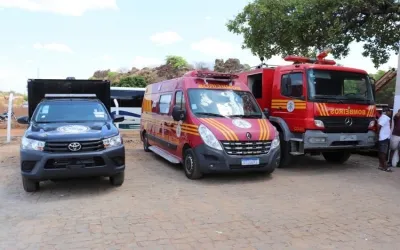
x: 59, y: 47
x: 141, y: 62
x: 29, y: 61
x: 208, y: 18
x: 64, y: 7
x: 214, y: 47
x: 165, y: 38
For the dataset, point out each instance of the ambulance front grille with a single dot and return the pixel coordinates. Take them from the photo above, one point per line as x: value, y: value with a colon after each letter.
x: 246, y: 147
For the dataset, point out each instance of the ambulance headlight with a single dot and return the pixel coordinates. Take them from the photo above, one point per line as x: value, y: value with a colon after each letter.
x: 275, y: 142
x: 209, y: 138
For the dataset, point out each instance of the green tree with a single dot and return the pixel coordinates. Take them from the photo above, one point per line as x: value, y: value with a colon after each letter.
x: 175, y: 66
x: 386, y: 94
x: 132, y: 81
x: 282, y: 27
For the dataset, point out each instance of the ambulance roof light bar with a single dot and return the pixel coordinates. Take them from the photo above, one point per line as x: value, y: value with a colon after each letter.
x: 319, y: 60
x: 212, y: 76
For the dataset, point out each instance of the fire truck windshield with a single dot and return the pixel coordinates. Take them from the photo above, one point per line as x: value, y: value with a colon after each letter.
x: 223, y: 103
x: 339, y: 86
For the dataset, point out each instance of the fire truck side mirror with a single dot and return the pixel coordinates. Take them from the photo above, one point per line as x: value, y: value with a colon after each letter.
x: 266, y: 113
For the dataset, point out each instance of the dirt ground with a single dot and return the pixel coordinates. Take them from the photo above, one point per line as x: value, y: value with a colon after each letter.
x: 311, y: 205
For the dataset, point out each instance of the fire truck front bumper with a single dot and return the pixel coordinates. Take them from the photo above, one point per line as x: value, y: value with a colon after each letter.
x: 318, y: 140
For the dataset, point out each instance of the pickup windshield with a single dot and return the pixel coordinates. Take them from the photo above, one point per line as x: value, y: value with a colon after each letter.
x: 339, y: 86
x: 223, y: 103
x: 69, y: 111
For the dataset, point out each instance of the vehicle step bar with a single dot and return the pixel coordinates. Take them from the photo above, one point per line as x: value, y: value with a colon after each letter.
x: 164, y: 154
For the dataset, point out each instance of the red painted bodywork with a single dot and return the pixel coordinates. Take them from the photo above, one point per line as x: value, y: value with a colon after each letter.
x: 163, y: 126
x: 302, y: 118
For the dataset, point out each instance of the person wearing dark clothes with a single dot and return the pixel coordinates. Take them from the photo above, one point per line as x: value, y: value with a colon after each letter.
x: 395, y: 139
x: 384, y: 138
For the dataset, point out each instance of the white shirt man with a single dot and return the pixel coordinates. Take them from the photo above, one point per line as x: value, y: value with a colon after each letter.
x: 384, y: 138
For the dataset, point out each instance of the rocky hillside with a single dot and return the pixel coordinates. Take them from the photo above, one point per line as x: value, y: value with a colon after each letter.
x: 173, y: 67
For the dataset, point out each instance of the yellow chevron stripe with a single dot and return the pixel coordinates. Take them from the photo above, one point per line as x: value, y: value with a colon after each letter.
x: 326, y: 109
x: 266, y: 128
x: 230, y: 132
x: 262, y: 130
x: 219, y: 128
x: 318, y: 108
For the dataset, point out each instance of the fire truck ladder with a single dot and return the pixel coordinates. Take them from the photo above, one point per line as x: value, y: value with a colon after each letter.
x: 385, y: 79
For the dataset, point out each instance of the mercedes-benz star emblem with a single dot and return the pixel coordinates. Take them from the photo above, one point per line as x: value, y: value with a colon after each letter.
x: 348, y: 121
x: 74, y: 146
x: 248, y: 135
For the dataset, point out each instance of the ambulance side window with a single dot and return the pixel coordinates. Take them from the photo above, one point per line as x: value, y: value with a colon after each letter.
x: 292, y: 85
x: 180, y: 100
x: 165, y: 103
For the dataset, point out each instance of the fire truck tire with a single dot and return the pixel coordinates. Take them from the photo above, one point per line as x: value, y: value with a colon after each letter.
x: 336, y: 157
x: 191, y: 165
x: 146, y: 143
x: 285, y: 155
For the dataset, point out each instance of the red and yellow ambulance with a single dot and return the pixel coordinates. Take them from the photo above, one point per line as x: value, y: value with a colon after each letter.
x: 209, y: 122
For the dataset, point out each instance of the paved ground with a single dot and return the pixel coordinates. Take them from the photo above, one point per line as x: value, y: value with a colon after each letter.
x: 312, y: 205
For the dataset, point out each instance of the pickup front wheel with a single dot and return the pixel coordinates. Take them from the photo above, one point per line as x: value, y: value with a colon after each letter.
x: 118, y: 179
x: 30, y: 185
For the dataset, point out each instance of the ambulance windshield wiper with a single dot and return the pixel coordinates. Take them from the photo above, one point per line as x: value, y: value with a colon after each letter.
x: 210, y: 114
x: 246, y: 116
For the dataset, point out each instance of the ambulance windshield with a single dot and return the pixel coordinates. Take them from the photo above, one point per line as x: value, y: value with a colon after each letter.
x: 223, y: 103
x: 339, y: 86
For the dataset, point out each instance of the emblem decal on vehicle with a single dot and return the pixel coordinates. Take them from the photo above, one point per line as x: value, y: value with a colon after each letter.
x: 73, y: 129
x: 241, y: 123
x: 290, y: 106
x: 74, y: 146
x: 348, y: 121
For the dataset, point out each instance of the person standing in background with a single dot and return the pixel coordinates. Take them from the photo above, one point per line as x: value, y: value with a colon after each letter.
x: 384, y: 138
x: 395, y: 138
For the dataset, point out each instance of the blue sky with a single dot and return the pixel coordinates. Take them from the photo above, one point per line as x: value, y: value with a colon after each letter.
x: 60, y: 38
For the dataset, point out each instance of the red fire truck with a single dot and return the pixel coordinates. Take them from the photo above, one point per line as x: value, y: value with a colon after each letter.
x: 317, y: 106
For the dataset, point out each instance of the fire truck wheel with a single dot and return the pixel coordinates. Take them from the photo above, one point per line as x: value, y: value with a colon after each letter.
x: 285, y: 155
x: 146, y: 143
x: 190, y: 165
x: 336, y: 157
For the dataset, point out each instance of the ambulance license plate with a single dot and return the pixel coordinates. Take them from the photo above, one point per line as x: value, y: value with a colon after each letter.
x: 348, y: 138
x: 250, y: 161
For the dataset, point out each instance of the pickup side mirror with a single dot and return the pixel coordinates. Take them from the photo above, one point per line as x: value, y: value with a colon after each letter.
x: 266, y: 113
x: 23, y: 120
x: 178, y: 114
x: 118, y: 118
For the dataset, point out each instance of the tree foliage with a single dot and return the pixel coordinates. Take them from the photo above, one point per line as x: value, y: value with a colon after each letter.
x: 386, y: 94
x: 132, y: 81
x: 229, y: 66
x: 282, y: 27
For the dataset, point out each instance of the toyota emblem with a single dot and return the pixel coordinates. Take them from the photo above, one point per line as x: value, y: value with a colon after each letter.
x: 248, y: 135
x: 74, y: 146
x: 348, y: 121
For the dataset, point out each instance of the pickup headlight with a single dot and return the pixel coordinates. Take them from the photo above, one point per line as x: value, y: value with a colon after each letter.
x: 209, y: 138
x: 275, y: 142
x: 112, y: 141
x: 30, y: 144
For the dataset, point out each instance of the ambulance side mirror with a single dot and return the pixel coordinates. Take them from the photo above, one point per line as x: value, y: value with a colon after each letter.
x: 266, y: 113
x: 178, y: 114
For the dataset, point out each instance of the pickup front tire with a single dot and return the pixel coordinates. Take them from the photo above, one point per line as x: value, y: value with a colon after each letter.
x: 118, y: 179
x: 30, y: 185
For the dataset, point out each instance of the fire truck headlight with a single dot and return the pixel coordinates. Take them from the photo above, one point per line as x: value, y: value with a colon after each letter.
x: 275, y: 142
x: 319, y: 123
x: 371, y: 124
x: 209, y: 138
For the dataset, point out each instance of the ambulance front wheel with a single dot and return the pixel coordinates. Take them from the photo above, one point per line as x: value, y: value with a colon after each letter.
x: 191, y: 165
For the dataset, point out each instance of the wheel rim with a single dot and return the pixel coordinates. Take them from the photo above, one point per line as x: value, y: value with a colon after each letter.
x: 189, y: 164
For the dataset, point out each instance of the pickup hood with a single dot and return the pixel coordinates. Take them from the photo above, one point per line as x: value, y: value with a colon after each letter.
x: 349, y: 110
x: 238, y: 129
x: 71, y: 131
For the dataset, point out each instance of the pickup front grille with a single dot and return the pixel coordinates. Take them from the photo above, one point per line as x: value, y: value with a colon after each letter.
x: 86, y: 146
x: 246, y: 147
